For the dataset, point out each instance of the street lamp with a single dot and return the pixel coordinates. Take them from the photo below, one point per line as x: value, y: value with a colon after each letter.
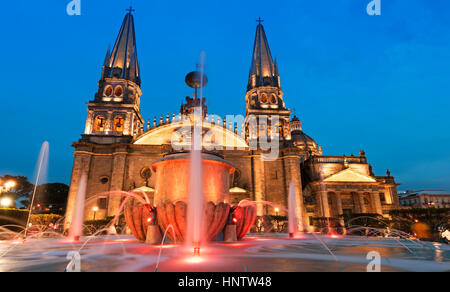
x: 6, y: 202
x: 277, y: 210
x: 10, y: 184
x: 6, y: 187
x: 95, y: 209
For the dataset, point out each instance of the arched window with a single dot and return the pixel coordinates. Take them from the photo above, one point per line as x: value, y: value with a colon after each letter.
x: 273, y: 99
x: 119, y: 91
x: 108, y: 91
x: 119, y: 124
x: 264, y: 98
x: 99, y: 124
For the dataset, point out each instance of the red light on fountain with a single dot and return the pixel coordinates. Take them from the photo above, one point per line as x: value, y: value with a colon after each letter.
x: 196, y: 250
x: 194, y: 260
x: 333, y: 235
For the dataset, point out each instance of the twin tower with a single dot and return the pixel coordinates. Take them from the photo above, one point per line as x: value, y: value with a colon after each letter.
x: 115, y: 111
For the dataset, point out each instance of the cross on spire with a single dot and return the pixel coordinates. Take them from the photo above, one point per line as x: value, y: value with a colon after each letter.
x: 131, y: 10
x: 259, y: 20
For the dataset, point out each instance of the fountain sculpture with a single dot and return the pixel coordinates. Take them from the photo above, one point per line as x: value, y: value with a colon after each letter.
x: 192, y: 192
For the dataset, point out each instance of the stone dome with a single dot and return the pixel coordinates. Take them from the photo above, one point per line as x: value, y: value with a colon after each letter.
x: 300, y: 139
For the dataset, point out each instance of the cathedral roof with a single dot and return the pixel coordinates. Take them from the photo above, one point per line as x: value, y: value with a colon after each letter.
x: 300, y: 138
x: 263, y: 71
x: 122, y: 62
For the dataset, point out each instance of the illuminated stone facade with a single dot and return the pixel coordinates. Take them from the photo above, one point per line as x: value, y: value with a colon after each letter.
x: 118, y: 148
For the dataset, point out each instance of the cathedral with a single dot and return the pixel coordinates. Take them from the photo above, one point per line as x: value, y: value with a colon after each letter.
x: 118, y: 146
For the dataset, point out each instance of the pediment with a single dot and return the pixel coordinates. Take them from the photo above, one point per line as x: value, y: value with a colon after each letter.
x: 349, y: 175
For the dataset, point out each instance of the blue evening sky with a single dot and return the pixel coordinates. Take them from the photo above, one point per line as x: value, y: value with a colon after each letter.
x: 378, y: 83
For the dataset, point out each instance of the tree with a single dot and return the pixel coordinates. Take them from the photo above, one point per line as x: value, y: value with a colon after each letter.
x: 54, y: 193
x: 52, y: 196
x: 23, y: 189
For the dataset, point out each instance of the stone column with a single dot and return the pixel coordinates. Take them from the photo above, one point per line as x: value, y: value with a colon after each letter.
x: 339, y: 203
x: 394, y: 196
x: 361, y: 203
x: 259, y: 179
x: 376, y: 202
x: 293, y: 175
x: 340, y: 210
x: 388, y: 196
x: 81, y: 166
x: 325, y: 207
x: 109, y: 122
x: 128, y: 126
x: 89, y: 123
x: 117, y: 181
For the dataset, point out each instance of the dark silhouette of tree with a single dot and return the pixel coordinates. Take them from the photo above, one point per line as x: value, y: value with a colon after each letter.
x: 51, y: 198
x: 54, y: 193
x: 23, y: 189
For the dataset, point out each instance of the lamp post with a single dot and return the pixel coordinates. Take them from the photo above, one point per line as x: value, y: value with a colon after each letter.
x: 6, y: 202
x: 4, y: 188
x: 7, y: 186
x: 95, y: 209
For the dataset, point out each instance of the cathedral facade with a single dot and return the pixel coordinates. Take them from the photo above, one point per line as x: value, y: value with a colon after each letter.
x: 118, y: 146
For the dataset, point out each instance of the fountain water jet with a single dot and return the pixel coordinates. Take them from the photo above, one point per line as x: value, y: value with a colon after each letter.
x: 293, y: 220
x: 170, y: 227
x: 76, y: 226
x: 196, y: 204
x: 192, y: 189
x: 40, y: 176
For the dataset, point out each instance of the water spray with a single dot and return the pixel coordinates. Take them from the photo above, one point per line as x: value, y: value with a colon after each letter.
x: 42, y: 156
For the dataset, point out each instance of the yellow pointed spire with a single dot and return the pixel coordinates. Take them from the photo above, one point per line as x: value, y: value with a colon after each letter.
x: 123, y: 60
x: 263, y: 71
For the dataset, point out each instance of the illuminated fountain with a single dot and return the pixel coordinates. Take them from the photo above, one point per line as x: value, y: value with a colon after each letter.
x: 192, y: 191
x: 192, y: 205
x: 293, y: 220
x: 177, y: 205
x: 76, y: 226
x: 41, y: 172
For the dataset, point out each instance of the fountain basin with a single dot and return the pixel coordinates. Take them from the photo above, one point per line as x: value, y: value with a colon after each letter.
x: 173, y: 179
x: 245, y: 219
x: 173, y: 191
x: 138, y: 218
x: 171, y: 199
x: 214, y: 220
